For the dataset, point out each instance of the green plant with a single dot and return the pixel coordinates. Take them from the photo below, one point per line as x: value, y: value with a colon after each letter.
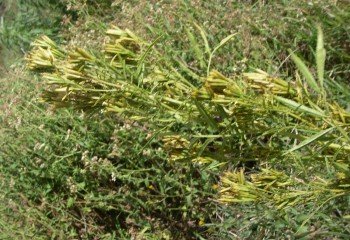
x: 165, y: 148
x: 225, y: 121
x: 24, y: 21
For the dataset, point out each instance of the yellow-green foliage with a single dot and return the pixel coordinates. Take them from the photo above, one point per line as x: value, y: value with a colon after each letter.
x: 228, y: 120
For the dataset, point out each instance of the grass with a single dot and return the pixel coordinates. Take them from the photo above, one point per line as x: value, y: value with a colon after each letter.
x: 169, y: 156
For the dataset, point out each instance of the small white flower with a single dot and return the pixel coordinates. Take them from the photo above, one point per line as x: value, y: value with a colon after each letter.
x: 69, y: 131
x: 146, y: 153
x: 114, y: 177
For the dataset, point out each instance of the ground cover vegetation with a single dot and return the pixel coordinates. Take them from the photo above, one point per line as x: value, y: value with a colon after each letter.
x: 175, y: 120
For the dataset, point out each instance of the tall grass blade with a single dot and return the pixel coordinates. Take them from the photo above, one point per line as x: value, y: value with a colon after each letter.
x: 143, y: 57
x: 320, y: 57
x: 204, y: 37
x: 299, y: 107
x: 223, y: 42
x: 305, y: 72
x: 309, y: 140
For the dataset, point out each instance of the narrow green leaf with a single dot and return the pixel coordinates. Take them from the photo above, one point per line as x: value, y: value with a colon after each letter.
x: 320, y: 57
x: 309, y: 140
x: 142, y: 59
x: 223, y: 41
x: 305, y: 72
x: 204, y: 37
x: 299, y: 107
x: 204, y: 146
x: 211, y: 121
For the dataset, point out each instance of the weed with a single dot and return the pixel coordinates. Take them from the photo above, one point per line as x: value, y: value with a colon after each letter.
x: 176, y: 133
